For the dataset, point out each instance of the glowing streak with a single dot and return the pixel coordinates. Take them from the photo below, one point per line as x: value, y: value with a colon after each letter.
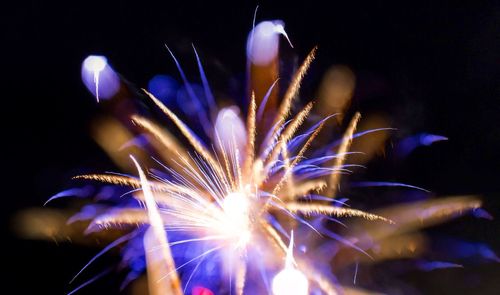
x: 288, y: 172
x: 165, y: 138
x: 280, y: 28
x: 290, y: 262
x: 306, y: 208
x: 294, y: 87
x: 197, y: 145
x: 241, y: 271
x: 132, y: 182
x: 263, y: 103
x: 106, y: 249
x: 227, y: 165
x: 342, y: 151
x: 95, y: 278
x: 290, y: 187
x: 287, y: 135
x: 305, y: 188
x: 273, y: 236
x: 191, y: 276
x: 206, y: 86
x: 251, y: 134
x: 95, y: 64
x: 156, y: 234
x: 118, y: 217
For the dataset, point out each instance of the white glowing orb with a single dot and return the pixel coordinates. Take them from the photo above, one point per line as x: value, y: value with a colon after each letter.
x: 95, y: 63
x: 263, y: 42
x: 236, y: 205
x: 290, y: 281
x: 99, y: 77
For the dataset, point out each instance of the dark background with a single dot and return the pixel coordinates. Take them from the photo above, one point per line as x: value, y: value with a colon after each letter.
x: 438, y: 64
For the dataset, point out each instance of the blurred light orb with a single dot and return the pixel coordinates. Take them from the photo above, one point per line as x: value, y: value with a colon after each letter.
x: 263, y: 42
x: 163, y: 87
x: 95, y: 63
x: 230, y: 129
x: 290, y: 281
x: 336, y: 90
x: 99, y: 78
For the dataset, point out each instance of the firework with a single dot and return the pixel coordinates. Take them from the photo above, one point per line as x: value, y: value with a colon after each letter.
x: 234, y: 192
x: 227, y: 196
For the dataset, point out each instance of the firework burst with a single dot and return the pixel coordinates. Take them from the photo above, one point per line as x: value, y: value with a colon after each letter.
x: 228, y: 195
x: 237, y: 198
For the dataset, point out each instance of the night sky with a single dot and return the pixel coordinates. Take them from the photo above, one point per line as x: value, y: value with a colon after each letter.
x: 432, y: 67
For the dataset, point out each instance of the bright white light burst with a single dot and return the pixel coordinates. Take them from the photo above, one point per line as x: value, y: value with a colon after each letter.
x: 237, y: 208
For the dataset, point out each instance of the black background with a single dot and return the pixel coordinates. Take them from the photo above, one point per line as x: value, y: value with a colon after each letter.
x: 440, y: 61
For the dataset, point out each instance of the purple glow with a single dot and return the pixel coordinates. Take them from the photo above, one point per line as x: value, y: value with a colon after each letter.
x: 481, y: 213
x: 163, y: 87
x: 82, y: 192
x: 190, y: 104
x: 410, y: 143
x: 99, y: 78
x: 428, y: 139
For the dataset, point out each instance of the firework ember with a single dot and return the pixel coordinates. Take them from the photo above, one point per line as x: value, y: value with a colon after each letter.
x: 99, y: 77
